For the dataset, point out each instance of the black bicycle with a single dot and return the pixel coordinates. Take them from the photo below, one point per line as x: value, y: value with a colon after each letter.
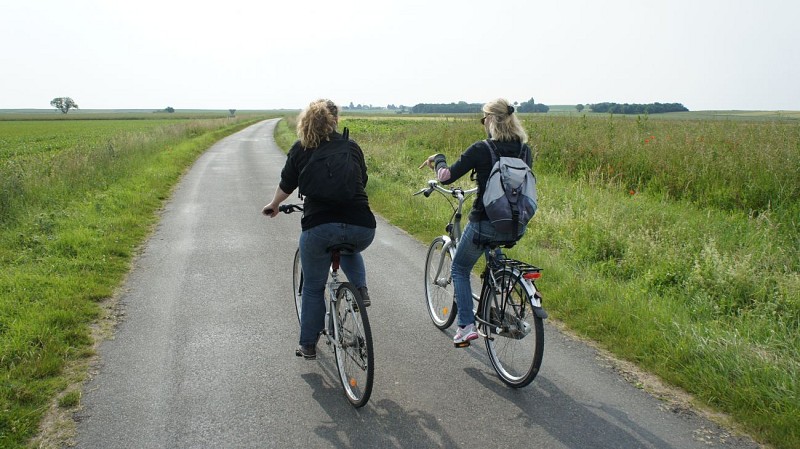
x: 508, y: 310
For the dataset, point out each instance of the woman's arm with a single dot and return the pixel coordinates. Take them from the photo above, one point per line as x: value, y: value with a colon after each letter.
x: 271, y: 209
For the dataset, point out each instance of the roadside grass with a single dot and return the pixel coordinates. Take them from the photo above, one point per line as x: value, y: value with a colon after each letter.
x: 72, y: 218
x: 693, y: 279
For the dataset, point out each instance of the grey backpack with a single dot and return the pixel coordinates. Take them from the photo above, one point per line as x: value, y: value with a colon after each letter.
x: 510, y: 197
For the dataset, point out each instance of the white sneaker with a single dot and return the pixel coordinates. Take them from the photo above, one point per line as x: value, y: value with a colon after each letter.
x: 464, y: 335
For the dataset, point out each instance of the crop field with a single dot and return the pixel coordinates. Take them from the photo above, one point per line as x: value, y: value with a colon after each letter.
x: 675, y: 244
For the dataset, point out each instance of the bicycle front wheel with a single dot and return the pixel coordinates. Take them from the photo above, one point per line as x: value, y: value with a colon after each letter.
x: 355, y: 360
x: 515, y: 335
x: 439, y: 291
x: 297, y: 283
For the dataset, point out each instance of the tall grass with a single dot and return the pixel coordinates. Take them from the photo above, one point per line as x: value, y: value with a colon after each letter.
x: 673, y: 244
x: 749, y: 167
x: 78, y: 198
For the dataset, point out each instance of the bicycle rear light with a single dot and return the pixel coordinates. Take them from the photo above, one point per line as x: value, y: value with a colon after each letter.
x: 532, y: 275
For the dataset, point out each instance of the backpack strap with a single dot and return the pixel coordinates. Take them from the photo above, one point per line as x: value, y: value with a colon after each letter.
x: 345, y: 136
x: 495, y: 155
x: 492, y: 150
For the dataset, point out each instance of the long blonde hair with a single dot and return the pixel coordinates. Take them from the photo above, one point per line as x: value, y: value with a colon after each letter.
x: 502, y: 122
x: 316, y: 123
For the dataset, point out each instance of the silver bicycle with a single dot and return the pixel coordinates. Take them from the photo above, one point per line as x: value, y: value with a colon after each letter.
x: 347, y: 330
x: 508, y: 310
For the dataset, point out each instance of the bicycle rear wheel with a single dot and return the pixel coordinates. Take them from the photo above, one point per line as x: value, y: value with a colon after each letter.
x: 355, y: 360
x: 515, y: 335
x: 297, y: 283
x: 439, y: 292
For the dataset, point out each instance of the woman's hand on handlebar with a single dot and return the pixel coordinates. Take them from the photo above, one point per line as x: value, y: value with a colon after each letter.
x: 270, y: 210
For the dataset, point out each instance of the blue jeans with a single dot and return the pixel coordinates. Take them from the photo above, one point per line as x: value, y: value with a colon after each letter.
x: 316, y: 262
x: 467, y: 254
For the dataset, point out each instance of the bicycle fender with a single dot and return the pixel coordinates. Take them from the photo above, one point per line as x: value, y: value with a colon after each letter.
x: 448, y: 242
x: 536, y: 301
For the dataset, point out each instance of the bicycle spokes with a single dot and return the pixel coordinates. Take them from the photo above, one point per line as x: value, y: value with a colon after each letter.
x: 353, y: 346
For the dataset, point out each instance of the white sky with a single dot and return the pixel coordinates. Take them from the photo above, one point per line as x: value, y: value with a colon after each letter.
x: 244, y: 54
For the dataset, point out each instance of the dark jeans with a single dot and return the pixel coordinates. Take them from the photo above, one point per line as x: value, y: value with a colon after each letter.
x: 467, y: 254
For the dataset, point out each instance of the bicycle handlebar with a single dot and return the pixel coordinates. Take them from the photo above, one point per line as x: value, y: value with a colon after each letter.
x: 434, y: 185
x: 286, y: 209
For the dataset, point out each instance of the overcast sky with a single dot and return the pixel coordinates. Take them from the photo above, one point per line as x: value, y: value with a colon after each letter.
x: 243, y: 54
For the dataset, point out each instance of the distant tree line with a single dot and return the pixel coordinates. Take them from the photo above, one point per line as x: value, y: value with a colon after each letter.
x: 360, y: 107
x: 652, y: 108
x: 462, y: 107
x: 532, y: 106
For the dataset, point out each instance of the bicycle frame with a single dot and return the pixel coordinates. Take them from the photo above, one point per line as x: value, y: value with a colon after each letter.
x: 453, y: 227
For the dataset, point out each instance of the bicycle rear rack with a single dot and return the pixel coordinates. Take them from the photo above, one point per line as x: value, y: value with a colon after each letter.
x: 523, y: 267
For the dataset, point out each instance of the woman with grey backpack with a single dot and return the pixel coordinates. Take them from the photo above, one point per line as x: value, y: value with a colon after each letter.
x: 506, y: 141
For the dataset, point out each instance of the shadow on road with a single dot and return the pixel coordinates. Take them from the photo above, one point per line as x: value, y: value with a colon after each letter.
x: 600, y: 426
x: 381, y: 424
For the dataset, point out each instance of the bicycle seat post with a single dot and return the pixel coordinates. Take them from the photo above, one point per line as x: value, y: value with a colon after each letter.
x: 335, y: 258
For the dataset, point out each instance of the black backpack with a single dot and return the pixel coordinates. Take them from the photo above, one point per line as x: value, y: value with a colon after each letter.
x: 332, y: 173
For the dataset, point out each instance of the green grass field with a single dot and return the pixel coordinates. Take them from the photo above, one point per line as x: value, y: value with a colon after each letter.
x: 674, y: 244
x: 78, y: 197
x: 671, y: 242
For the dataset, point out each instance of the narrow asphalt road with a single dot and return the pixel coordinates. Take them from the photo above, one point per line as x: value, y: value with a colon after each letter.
x: 204, y: 357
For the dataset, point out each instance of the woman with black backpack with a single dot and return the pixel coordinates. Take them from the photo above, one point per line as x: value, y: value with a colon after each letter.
x: 506, y: 135
x: 333, y: 214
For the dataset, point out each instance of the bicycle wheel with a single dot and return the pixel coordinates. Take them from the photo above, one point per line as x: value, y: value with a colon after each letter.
x: 439, y: 292
x: 353, y: 345
x: 297, y: 283
x: 515, y: 335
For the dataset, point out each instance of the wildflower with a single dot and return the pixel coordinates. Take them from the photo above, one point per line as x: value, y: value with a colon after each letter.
x: 632, y: 192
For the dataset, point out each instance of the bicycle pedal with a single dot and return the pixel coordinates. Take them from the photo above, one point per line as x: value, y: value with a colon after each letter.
x: 463, y: 344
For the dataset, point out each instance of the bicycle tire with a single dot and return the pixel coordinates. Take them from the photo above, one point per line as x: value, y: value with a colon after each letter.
x: 515, y: 337
x: 439, y: 293
x: 355, y: 359
x: 297, y: 284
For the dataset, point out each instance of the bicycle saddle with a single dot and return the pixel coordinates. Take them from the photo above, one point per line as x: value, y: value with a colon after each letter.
x: 343, y: 248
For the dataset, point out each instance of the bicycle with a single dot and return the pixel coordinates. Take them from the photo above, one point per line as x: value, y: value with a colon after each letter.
x: 509, y: 309
x: 347, y: 331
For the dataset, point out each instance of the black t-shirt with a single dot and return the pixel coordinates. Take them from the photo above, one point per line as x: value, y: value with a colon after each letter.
x: 356, y: 212
x: 479, y: 158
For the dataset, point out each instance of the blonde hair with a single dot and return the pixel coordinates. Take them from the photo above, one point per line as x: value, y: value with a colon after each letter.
x: 503, y: 123
x: 316, y: 123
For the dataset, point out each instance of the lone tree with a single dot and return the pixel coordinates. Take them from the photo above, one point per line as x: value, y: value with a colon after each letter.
x: 63, y: 104
x: 232, y: 112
